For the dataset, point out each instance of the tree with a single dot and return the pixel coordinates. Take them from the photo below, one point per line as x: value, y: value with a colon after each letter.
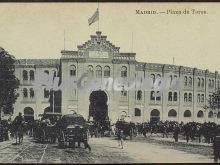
x: 214, y: 102
x: 8, y: 82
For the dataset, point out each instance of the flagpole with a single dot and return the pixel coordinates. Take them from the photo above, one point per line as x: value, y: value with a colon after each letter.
x: 64, y: 39
x: 99, y: 15
x: 132, y: 43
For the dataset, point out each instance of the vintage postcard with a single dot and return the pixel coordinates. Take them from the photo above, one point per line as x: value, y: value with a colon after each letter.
x: 109, y: 83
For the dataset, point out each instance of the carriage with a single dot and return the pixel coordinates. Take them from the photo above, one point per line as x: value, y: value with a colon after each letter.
x: 72, y: 128
x: 127, y: 127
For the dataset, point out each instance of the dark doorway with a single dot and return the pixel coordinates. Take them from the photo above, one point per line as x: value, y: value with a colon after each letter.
x: 155, y: 116
x: 28, y: 114
x: 98, y: 107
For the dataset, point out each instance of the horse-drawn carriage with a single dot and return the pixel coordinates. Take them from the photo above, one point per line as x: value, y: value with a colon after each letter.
x: 127, y: 127
x: 45, y: 132
x: 72, y: 128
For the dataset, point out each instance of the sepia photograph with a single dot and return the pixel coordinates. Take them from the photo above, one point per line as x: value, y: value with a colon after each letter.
x: 109, y: 83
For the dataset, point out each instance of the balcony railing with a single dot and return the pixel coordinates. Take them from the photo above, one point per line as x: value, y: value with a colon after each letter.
x: 155, y: 102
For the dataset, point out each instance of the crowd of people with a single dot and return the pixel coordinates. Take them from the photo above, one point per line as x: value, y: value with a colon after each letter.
x: 201, y: 132
x: 191, y: 130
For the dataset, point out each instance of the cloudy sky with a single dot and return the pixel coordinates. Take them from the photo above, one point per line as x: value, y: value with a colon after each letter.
x: 36, y: 30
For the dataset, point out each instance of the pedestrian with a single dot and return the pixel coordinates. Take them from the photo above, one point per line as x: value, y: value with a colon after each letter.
x: 187, y: 132
x: 1, y: 131
x: 216, y: 148
x: 176, y: 132
x: 86, y: 144
x: 121, y: 138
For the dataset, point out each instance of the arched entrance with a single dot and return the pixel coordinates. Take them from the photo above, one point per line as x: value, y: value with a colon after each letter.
x: 98, y: 108
x: 28, y: 114
x: 155, y: 115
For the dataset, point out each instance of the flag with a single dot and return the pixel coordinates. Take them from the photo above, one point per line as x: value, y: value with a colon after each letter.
x: 94, y: 18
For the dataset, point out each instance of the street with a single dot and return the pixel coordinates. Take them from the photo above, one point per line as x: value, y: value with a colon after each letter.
x: 104, y: 150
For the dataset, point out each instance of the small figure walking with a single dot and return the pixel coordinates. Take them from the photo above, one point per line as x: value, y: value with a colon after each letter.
x: 121, y: 138
x: 216, y: 148
x: 176, y: 132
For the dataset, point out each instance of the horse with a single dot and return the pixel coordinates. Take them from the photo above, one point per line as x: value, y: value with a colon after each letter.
x: 17, y: 131
x: 19, y: 134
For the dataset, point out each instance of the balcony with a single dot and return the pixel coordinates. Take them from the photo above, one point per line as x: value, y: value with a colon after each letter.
x: 155, y: 102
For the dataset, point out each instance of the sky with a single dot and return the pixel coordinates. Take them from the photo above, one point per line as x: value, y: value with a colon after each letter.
x: 36, y: 30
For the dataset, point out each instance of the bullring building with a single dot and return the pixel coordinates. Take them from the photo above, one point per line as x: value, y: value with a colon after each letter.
x: 101, y: 59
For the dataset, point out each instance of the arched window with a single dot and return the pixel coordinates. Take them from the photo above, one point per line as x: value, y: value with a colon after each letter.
x: 28, y: 114
x: 31, y: 75
x: 54, y: 73
x: 170, y: 95
x: 137, y: 112
x: 46, y: 71
x: 72, y: 70
x: 210, y: 83
x: 152, y: 77
x: 213, y: 84
x: 172, y: 113
x: 139, y: 95
x: 210, y: 115
x: 198, y: 82
x: 155, y: 113
x: 158, y: 75
x: 107, y: 71
x: 46, y: 93
x: 218, y: 115
x: 187, y: 113
x: 202, y: 98
x: 25, y: 75
x: 31, y: 93
x: 25, y: 93
x: 200, y: 114
x: 185, y: 97
x: 152, y: 95
x: 198, y: 98
x: 124, y: 71
x: 185, y: 81
x: 175, y: 96
x: 90, y: 71
x: 123, y: 113
x: 190, y: 81
x: 171, y: 79
x: 202, y: 83
x: 159, y: 97
x: 124, y: 93
x: 98, y: 71
x: 190, y: 97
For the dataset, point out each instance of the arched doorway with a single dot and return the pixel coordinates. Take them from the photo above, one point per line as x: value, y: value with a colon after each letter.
x: 98, y: 108
x: 28, y: 114
x: 155, y: 115
x: 48, y: 110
